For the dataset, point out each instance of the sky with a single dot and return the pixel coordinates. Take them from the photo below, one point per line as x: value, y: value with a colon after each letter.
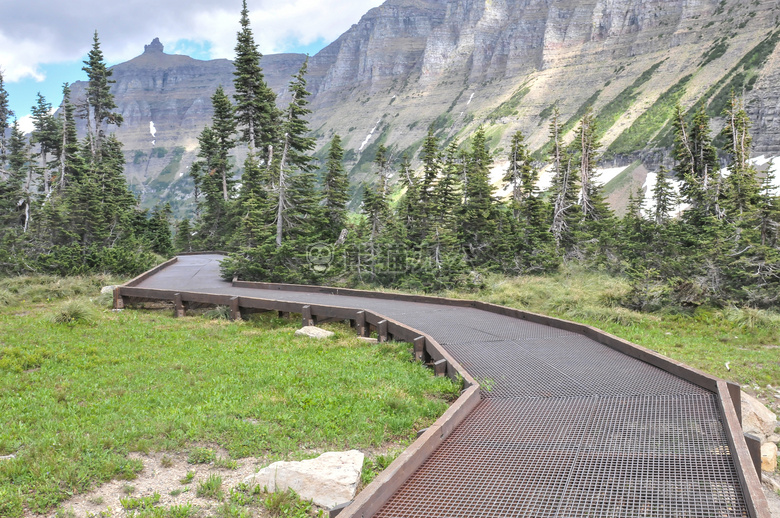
x: 43, y: 42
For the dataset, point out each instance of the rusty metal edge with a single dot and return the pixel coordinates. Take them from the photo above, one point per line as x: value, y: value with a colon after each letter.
x: 378, y: 492
x: 755, y: 499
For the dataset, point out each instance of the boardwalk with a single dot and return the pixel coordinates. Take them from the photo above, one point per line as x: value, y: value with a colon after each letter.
x: 566, y: 426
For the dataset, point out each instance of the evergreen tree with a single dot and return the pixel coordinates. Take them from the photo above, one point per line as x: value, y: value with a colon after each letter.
x: 563, y: 191
x: 478, y: 219
x: 256, y: 112
x: 742, y: 190
x: 521, y: 174
x: 183, y: 238
x: 47, y: 136
x: 70, y: 161
x: 295, y: 148
x: 592, y: 201
x: 100, y: 101
x: 664, y: 197
x: 696, y: 163
x: 336, y: 189
x: 5, y: 114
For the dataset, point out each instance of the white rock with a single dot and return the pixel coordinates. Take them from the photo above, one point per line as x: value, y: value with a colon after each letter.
x: 368, y: 339
x: 7, y: 457
x: 329, y: 480
x: 107, y: 289
x: 313, y: 332
x: 768, y: 457
x: 756, y: 418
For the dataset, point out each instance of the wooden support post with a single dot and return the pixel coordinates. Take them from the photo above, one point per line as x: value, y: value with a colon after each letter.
x: 754, y: 447
x: 308, y: 319
x: 419, y: 348
x: 381, y: 329
x: 735, y: 391
x: 178, y: 306
x: 119, y: 300
x: 235, y: 310
x: 360, y: 324
x: 440, y: 367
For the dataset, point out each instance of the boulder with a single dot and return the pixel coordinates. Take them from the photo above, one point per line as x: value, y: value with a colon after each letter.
x: 313, y: 332
x: 329, y: 480
x: 768, y: 457
x: 107, y: 289
x: 756, y: 418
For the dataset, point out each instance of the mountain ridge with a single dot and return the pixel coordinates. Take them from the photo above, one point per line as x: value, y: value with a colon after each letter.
x: 408, y: 65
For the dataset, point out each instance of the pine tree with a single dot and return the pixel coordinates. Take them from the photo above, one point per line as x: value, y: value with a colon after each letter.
x: 742, y: 190
x: 100, y: 101
x: 478, y: 219
x: 256, y: 112
x: 336, y: 189
x: 563, y: 191
x: 14, y: 192
x: 5, y: 114
x: 295, y: 148
x: 664, y: 197
x: 47, y: 136
x: 70, y: 161
x: 696, y: 163
x: 521, y: 174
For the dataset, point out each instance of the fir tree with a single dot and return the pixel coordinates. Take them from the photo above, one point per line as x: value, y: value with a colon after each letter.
x: 696, y: 162
x: 478, y: 221
x: 5, y: 115
x: 564, y: 185
x: 256, y: 112
x: 664, y: 197
x: 742, y: 185
x: 521, y: 174
x: 70, y: 162
x: 295, y: 148
x: 100, y: 103
x: 336, y: 189
x: 46, y: 135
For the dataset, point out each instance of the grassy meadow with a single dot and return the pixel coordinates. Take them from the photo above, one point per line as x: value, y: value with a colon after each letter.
x: 82, y: 386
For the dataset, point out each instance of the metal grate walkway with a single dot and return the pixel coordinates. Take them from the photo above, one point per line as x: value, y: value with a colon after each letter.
x: 567, y: 427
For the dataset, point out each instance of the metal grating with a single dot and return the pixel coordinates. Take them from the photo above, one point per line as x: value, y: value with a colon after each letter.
x: 560, y: 458
x: 562, y: 367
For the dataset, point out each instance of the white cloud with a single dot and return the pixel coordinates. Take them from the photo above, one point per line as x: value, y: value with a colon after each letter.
x: 63, y: 30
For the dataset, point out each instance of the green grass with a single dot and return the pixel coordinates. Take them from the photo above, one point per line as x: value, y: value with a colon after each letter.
x: 211, y: 488
x: 651, y: 122
x: 705, y: 339
x: 509, y: 107
x: 76, y: 399
x: 614, y: 109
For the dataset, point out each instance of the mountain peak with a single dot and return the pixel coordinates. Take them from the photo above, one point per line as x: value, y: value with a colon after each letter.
x: 154, y: 47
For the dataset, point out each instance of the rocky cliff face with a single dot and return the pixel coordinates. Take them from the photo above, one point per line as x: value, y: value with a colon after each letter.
x: 454, y: 64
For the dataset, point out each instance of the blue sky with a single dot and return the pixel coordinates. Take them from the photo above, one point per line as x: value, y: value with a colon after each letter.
x: 43, y: 43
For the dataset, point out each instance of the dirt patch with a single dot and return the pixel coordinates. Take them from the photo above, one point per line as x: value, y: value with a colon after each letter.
x: 163, y: 473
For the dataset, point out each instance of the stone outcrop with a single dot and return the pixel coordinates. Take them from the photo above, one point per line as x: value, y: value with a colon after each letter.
x: 329, y: 480
x: 757, y: 419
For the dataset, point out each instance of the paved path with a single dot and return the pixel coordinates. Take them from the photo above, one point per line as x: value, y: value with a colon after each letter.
x: 567, y: 427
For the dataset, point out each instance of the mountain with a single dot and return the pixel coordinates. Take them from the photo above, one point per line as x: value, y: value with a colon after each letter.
x: 452, y: 65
